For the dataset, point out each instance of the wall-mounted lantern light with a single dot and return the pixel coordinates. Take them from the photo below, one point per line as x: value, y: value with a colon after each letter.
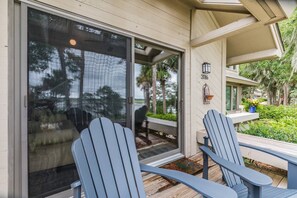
x: 205, y: 70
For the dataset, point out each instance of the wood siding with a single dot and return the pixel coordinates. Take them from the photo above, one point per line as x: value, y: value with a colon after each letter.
x: 214, y: 53
x: 164, y: 20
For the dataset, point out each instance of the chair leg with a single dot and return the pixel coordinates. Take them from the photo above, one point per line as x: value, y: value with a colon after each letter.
x: 146, y: 130
x: 292, y: 176
x: 205, y: 166
x: 76, y: 186
x: 205, y: 160
x: 254, y: 191
x: 77, y: 192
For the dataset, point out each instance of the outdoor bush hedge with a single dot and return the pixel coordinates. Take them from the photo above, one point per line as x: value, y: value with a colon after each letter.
x: 277, y: 112
x: 276, y: 122
x: 169, y: 116
x: 284, y: 129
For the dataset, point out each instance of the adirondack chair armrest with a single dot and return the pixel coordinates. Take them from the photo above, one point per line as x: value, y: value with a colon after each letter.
x: 280, y: 155
x: 76, y: 186
x: 205, y: 187
x: 292, y: 163
x: 246, y: 174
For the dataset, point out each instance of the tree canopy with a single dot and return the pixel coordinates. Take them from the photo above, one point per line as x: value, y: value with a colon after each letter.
x: 277, y: 77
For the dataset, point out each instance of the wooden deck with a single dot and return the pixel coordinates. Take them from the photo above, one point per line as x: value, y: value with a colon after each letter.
x: 158, y: 187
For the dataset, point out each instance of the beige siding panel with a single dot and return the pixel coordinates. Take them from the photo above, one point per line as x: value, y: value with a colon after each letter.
x: 172, y: 7
x: 179, y: 18
x: 4, y: 98
x: 212, y: 53
x: 126, y: 17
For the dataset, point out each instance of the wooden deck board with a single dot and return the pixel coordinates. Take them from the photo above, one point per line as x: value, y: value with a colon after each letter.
x: 154, y: 184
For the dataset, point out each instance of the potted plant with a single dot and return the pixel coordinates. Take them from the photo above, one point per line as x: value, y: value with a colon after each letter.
x: 253, y: 103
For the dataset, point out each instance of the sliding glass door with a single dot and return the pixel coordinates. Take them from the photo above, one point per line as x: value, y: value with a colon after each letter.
x: 75, y: 73
x: 156, y: 91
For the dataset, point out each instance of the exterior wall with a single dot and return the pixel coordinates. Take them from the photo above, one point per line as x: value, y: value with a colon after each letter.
x: 4, y: 98
x: 213, y: 53
x: 161, y: 22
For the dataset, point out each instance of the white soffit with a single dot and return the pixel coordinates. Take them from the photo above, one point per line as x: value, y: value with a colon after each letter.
x: 288, y: 6
x: 234, y: 77
x: 260, y: 43
x: 248, y: 25
x: 259, y: 39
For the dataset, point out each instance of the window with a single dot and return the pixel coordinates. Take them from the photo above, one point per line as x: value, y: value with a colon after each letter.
x: 231, y: 98
x: 75, y: 73
x: 228, y: 98
x: 234, y: 98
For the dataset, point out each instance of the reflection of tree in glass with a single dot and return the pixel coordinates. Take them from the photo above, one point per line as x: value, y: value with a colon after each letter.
x: 56, y: 83
x: 163, y: 74
x: 171, y: 95
x: 144, y: 80
x: 163, y: 69
x: 89, y: 103
x: 39, y: 55
x: 110, y: 104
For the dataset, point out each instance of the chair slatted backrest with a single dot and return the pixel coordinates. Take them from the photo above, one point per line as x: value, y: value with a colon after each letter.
x: 222, y: 135
x: 106, y: 160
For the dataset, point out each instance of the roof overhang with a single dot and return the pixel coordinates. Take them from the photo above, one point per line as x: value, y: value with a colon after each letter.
x: 249, y: 26
x: 233, y: 77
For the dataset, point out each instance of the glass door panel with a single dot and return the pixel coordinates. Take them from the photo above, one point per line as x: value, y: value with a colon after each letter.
x: 156, y: 72
x: 75, y: 73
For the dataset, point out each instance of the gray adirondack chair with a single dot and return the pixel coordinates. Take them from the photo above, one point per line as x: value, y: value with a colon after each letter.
x: 107, y: 164
x: 246, y: 182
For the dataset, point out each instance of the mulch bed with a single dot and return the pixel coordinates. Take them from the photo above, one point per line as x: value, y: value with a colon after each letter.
x: 185, y: 165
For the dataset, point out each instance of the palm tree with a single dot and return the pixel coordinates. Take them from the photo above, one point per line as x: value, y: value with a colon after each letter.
x: 163, y: 74
x: 144, y: 80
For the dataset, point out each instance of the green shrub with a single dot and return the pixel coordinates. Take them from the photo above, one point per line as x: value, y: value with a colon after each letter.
x: 276, y: 122
x: 277, y: 112
x: 169, y: 116
x: 284, y: 129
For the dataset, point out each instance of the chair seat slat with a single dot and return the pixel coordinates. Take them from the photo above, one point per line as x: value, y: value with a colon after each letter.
x: 134, y: 161
x: 102, y: 154
x: 126, y: 159
x: 80, y: 159
x: 115, y: 156
x: 93, y: 163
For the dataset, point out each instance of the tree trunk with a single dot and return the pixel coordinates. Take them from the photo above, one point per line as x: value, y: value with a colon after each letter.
x: 164, y: 96
x: 270, y: 98
x: 154, y: 80
x: 286, y: 93
x: 147, y: 94
x: 81, y: 79
x: 63, y: 68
